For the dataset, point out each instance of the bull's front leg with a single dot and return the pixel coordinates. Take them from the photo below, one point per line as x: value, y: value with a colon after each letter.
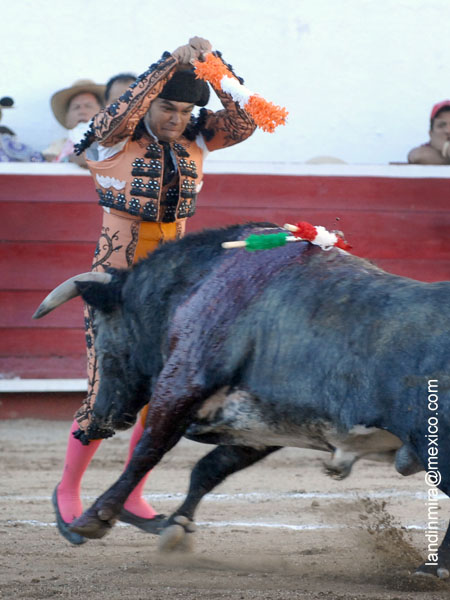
x: 169, y: 414
x: 209, y: 472
x: 97, y: 520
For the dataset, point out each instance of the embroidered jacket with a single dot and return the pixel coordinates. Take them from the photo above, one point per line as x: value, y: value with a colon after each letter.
x: 131, y: 179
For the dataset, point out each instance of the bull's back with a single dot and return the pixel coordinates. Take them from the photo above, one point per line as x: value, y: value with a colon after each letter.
x: 310, y: 331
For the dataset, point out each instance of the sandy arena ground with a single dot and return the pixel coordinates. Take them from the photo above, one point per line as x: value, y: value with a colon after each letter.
x: 281, y: 530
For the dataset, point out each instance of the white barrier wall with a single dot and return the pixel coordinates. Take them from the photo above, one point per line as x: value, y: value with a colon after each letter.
x: 358, y: 77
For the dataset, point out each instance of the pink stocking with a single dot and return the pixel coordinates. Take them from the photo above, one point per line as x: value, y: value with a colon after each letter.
x: 135, y: 502
x: 77, y: 460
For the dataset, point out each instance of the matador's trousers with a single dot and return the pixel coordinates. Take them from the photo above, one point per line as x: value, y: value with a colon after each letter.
x: 123, y: 241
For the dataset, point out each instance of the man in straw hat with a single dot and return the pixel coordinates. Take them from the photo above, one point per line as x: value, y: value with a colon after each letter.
x: 73, y: 108
x: 145, y: 152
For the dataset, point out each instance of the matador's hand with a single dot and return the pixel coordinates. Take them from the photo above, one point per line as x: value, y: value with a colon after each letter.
x: 200, y: 46
x: 194, y: 50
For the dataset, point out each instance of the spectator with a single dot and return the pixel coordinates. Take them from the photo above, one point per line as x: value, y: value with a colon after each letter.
x: 437, y: 150
x: 117, y: 85
x: 73, y: 108
x: 11, y: 149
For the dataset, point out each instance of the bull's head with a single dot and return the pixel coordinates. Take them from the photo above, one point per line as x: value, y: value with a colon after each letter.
x: 123, y: 391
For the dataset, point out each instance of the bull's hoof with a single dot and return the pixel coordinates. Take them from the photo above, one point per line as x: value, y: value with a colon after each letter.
x: 335, y: 471
x: 93, y: 524
x: 438, y: 570
x: 177, y: 536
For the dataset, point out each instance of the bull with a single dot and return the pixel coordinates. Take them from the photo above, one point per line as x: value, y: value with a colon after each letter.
x: 254, y: 351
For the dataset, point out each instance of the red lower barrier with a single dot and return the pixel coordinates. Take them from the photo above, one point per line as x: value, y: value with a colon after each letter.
x: 396, y: 216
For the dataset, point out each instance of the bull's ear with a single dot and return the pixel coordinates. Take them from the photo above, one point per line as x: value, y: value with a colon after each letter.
x: 102, y: 296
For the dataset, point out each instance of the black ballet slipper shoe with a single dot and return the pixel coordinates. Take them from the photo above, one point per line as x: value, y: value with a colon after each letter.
x: 63, y: 527
x: 153, y: 525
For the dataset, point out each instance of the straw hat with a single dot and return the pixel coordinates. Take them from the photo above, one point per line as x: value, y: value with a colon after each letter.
x: 60, y: 100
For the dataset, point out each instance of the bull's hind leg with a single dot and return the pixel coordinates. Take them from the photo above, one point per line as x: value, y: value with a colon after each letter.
x: 206, y: 475
x: 437, y: 563
x: 440, y: 567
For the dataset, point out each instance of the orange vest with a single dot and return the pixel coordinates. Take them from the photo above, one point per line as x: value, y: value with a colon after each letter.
x: 131, y: 180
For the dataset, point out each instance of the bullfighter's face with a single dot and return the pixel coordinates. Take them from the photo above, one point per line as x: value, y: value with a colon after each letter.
x: 168, y: 119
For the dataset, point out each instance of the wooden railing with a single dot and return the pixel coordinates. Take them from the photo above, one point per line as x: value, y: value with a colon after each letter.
x: 397, y: 216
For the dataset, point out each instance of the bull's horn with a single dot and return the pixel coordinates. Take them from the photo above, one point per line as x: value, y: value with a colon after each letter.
x: 67, y: 290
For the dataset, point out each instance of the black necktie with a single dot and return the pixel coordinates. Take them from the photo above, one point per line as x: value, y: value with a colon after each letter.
x: 169, y: 169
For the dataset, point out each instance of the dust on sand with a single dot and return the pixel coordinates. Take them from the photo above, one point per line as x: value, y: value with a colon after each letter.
x: 280, y: 530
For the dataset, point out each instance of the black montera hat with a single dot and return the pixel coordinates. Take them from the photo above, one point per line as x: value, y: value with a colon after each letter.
x: 185, y: 87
